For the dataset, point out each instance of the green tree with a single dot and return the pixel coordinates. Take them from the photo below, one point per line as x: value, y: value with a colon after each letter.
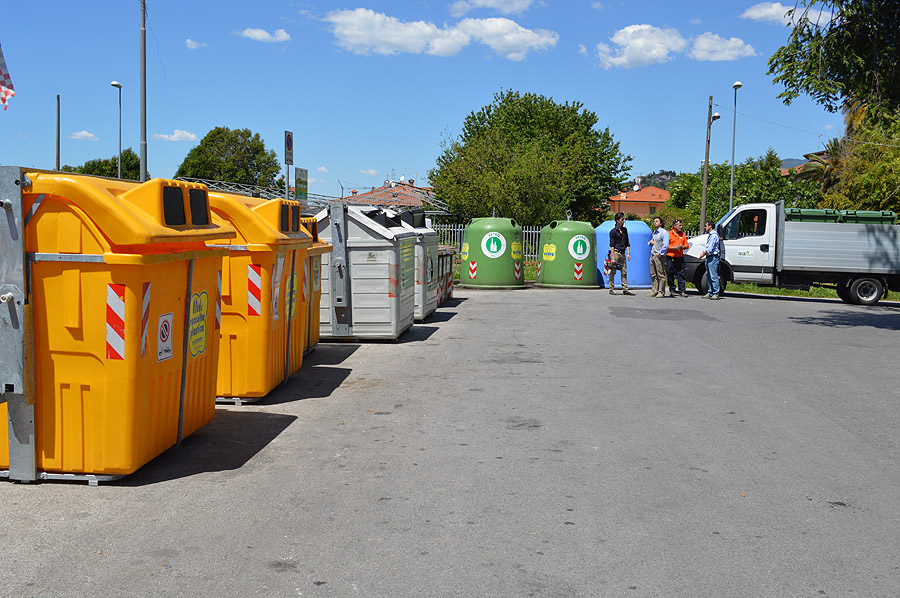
x: 870, y: 169
x: 843, y: 54
x: 109, y: 167
x: 756, y: 180
x: 823, y: 169
x: 532, y: 159
x: 233, y: 155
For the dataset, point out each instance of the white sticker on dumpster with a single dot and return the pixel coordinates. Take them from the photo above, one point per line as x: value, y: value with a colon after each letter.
x: 579, y: 247
x: 164, y: 337
x: 493, y: 245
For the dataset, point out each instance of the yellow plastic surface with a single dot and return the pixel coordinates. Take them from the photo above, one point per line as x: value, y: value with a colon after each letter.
x: 313, y: 283
x: 94, y: 414
x: 254, y: 347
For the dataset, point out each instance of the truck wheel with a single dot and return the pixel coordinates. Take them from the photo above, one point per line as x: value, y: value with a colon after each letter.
x: 703, y: 285
x: 844, y: 294
x: 866, y: 291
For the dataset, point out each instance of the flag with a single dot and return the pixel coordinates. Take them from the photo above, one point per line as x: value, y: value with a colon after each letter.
x: 6, y: 86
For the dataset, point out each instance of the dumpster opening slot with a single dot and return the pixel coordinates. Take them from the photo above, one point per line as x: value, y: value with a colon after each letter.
x: 199, y: 206
x: 173, y: 206
x: 285, y: 218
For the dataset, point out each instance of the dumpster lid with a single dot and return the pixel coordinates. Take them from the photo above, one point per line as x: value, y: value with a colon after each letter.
x: 376, y: 221
x: 260, y: 221
x: 129, y: 213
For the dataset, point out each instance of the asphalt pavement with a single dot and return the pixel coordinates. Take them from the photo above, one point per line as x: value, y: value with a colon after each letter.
x: 538, y: 442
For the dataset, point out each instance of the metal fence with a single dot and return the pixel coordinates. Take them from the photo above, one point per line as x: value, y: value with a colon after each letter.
x: 452, y: 234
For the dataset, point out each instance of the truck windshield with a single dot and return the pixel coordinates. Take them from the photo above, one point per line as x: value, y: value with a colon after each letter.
x: 724, y: 218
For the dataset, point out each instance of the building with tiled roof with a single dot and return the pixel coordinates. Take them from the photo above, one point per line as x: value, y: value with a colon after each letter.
x: 642, y: 201
x: 399, y: 194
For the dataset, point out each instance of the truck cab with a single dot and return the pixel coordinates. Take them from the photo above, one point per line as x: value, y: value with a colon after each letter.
x: 748, y: 235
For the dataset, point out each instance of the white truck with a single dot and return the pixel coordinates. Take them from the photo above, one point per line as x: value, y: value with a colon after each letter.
x: 761, y: 246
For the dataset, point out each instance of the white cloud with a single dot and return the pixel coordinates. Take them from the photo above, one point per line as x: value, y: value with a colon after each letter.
x: 711, y: 47
x: 696, y: 21
x: 776, y: 12
x: 640, y: 45
x: 177, y: 135
x: 313, y: 179
x: 768, y: 11
x: 369, y: 172
x: 261, y: 35
x: 597, y: 5
x: 84, y: 136
x: 321, y: 169
x: 506, y: 7
x: 193, y: 45
x: 582, y: 50
x: 364, y: 31
x: 828, y: 127
x: 508, y: 38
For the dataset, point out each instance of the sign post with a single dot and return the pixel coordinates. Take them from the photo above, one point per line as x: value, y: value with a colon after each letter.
x: 301, y: 186
x: 288, y: 161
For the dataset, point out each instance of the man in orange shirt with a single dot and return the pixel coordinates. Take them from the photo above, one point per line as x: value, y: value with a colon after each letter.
x: 675, y: 264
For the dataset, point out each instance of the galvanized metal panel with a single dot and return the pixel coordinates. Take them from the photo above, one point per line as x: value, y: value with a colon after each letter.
x: 853, y: 248
x: 14, y: 386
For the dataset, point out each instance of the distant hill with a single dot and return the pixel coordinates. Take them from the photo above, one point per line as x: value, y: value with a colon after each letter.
x: 791, y: 162
x: 661, y: 179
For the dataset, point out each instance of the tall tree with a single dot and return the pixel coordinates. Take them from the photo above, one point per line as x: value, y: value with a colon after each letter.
x: 870, y: 169
x: 233, y: 155
x: 843, y: 54
x: 131, y: 166
x: 532, y: 159
x: 823, y: 169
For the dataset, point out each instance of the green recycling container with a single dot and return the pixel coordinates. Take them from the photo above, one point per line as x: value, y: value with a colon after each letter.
x: 567, y: 255
x: 811, y: 215
x: 868, y: 216
x: 491, y: 254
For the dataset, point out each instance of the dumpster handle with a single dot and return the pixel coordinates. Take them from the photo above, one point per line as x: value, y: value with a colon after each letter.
x: 34, y: 208
x: 184, y: 348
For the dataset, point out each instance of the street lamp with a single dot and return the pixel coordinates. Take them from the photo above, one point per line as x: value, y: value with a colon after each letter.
x: 118, y: 86
x: 710, y: 118
x: 736, y: 85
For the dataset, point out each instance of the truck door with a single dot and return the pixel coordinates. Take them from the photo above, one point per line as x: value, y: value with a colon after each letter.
x: 749, y: 238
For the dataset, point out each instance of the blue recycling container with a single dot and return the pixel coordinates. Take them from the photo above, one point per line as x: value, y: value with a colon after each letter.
x: 639, y: 235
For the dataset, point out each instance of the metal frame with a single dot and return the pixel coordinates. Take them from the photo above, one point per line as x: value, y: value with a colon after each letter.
x: 341, y: 322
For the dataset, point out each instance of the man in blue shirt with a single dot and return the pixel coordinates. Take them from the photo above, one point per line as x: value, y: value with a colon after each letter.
x: 659, y: 244
x: 711, y: 253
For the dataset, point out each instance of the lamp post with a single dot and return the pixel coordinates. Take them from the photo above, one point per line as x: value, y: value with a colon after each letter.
x: 118, y: 86
x: 710, y: 118
x: 736, y: 85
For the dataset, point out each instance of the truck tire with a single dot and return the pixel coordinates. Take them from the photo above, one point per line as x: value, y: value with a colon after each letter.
x: 844, y: 294
x: 866, y: 291
x: 703, y: 285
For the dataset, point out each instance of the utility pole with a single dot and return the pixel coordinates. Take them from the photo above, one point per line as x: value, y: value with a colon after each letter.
x: 143, y: 91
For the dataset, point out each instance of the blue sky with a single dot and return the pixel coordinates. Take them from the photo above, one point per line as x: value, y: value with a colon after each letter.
x: 371, y: 89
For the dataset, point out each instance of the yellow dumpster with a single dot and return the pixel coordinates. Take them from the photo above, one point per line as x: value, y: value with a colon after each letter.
x: 312, y: 277
x: 120, y: 327
x: 263, y: 310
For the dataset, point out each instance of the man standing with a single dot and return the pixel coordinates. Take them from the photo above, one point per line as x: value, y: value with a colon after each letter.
x: 678, y: 244
x: 659, y: 244
x: 619, y: 254
x: 711, y: 253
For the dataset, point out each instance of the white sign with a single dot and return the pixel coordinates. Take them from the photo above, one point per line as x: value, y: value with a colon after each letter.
x: 493, y: 245
x: 164, y: 337
x: 579, y: 247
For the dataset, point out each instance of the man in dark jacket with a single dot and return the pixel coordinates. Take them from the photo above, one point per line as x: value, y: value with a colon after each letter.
x: 619, y: 254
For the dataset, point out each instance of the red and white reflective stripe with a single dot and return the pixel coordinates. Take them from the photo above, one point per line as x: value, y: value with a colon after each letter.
x: 473, y: 269
x: 539, y: 269
x: 115, y: 321
x: 579, y: 270
x: 145, y: 318
x: 219, y: 301
x: 305, y: 277
x: 254, y: 290
x: 518, y: 270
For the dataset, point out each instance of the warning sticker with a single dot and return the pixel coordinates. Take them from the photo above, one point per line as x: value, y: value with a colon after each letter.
x: 197, y: 323
x: 164, y: 337
x: 493, y: 245
x: 515, y: 249
x: 464, y: 252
